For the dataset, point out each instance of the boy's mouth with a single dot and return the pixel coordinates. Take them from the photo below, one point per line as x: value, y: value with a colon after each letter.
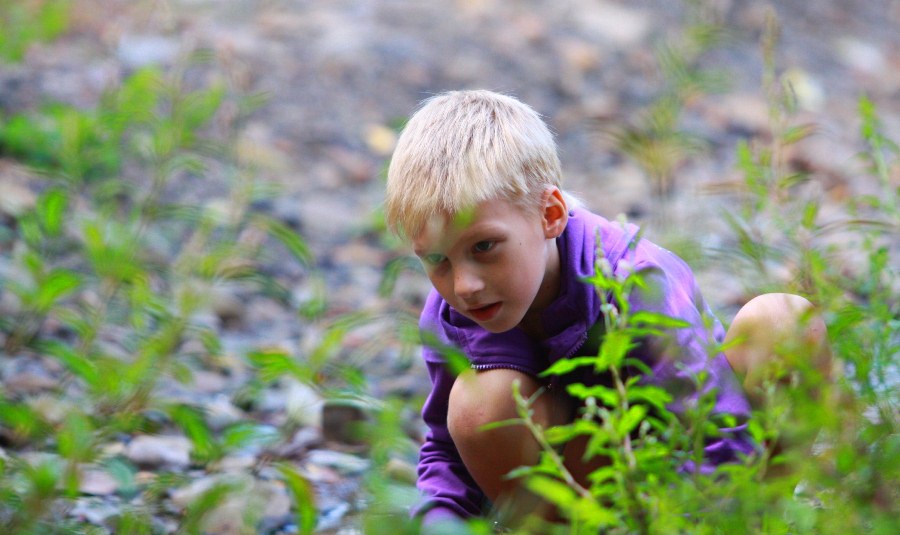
x: 486, y: 312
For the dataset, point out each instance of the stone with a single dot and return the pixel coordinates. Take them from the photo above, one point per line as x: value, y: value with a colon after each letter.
x: 303, y: 404
x: 16, y: 198
x: 343, y: 422
x: 220, y: 412
x: 343, y: 463
x: 30, y: 382
x: 252, y: 503
x: 380, y: 139
x: 97, y: 482
x: 400, y: 470
x: 227, y: 306
x: 617, y: 24
x: 137, y: 51
x: 159, y: 451
x: 94, y: 510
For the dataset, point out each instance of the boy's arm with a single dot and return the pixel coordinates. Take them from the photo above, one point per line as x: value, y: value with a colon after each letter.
x: 683, y: 355
x: 442, y: 477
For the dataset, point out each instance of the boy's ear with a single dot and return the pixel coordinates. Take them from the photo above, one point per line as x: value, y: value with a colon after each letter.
x: 555, y: 213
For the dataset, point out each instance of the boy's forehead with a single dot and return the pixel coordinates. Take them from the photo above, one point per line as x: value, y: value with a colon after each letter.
x: 442, y: 225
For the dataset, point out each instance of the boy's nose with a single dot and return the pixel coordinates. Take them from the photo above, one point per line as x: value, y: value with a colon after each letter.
x: 466, y: 283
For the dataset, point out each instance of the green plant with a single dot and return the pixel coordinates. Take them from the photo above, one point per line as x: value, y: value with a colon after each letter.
x: 848, y: 267
x: 27, y: 22
x: 655, y: 138
x: 111, y: 269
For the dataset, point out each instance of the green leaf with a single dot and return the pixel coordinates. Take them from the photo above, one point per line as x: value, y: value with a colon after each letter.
x: 51, y: 207
x: 192, y: 422
x: 651, y: 394
x: 272, y: 364
x: 80, y: 365
x: 286, y: 235
x: 608, y: 396
x: 564, y: 366
x: 304, y: 498
x: 631, y: 419
x: 244, y: 434
x: 57, y: 284
x: 75, y: 439
x: 555, y: 492
x: 658, y: 320
x: 615, y: 346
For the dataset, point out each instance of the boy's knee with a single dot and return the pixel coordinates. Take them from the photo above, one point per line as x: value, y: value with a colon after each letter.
x: 481, y: 398
x: 777, y: 327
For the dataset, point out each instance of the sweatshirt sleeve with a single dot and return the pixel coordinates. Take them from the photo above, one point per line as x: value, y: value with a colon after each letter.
x: 684, y: 355
x: 447, y: 487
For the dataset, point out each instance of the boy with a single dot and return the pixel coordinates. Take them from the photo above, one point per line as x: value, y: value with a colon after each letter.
x: 474, y: 185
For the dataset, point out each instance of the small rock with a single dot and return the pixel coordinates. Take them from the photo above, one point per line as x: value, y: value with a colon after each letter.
x: 806, y: 88
x: 265, y: 503
x: 305, y: 439
x: 622, y: 26
x: 861, y: 56
x: 330, y: 518
x: 54, y: 409
x: 229, y: 308
x: 207, y: 382
x: 236, y: 462
x: 355, y: 167
x: 343, y: 422
x: 94, y: 510
x: 344, y: 463
x: 29, y: 382
x: 97, y: 482
x: 220, y: 413
x: 303, y: 404
x: 380, y: 139
x: 16, y: 199
x: 137, y: 51
x: 159, y: 450
x: 402, y: 471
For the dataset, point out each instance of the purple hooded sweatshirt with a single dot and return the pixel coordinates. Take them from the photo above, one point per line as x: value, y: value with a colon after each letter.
x: 448, y: 488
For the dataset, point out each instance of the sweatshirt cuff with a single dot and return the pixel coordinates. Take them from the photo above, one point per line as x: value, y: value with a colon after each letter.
x: 439, y: 514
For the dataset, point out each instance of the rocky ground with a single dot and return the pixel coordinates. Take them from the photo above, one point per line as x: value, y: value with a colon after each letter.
x: 339, y: 75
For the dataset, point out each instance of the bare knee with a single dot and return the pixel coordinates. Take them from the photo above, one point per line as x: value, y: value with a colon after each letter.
x: 775, y: 330
x: 481, y: 398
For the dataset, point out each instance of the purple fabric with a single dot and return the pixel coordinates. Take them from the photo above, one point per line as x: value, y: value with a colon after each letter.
x: 442, y: 478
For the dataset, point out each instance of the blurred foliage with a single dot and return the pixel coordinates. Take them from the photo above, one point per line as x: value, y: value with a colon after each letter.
x: 654, y: 137
x: 110, y: 271
x: 29, y: 21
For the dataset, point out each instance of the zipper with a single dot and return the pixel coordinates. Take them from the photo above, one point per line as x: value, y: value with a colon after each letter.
x: 484, y: 367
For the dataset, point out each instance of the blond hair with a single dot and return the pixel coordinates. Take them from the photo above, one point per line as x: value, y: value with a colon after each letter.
x: 465, y: 147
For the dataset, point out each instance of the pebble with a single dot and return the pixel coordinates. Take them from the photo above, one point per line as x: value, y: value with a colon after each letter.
x: 220, y: 412
x: 303, y: 404
x: 343, y: 422
x: 159, y: 451
x: 97, y: 482
x: 137, y: 50
x: 95, y: 510
x: 266, y: 502
x: 344, y: 463
x: 16, y: 199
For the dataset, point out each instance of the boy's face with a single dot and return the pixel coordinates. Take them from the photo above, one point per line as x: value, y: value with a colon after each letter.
x: 498, y: 262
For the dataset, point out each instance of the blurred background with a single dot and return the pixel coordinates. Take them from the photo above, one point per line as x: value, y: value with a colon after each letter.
x: 231, y: 155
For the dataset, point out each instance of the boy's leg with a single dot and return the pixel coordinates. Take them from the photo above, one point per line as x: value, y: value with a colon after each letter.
x: 484, y: 397
x: 775, y: 335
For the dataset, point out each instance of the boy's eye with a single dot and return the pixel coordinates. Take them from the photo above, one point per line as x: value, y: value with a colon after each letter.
x: 433, y: 259
x: 483, y: 246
